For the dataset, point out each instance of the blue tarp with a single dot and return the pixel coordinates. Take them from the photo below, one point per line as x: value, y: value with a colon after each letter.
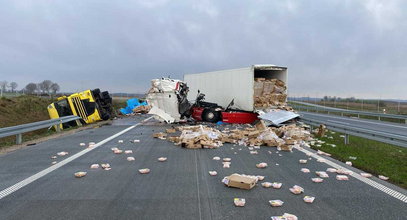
x: 131, y: 104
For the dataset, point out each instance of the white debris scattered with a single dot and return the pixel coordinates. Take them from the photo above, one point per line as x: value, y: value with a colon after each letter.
x: 348, y: 163
x: 136, y: 141
x: 303, y: 161
x: 94, y: 166
x: 305, y: 170
x: 130, y: 158
x: 120, y: 141
x: 227, y: 159
x: 216, y: 158
x: 342, y: 171
x: 226, y: 164
x: 342, y: 177
x: 286, y: 216
x: 276, y: 203
x: 114, y: 148
x: 331, y: 170
x: 239, y: 202
x: 383, y: 177
x: 309, y: 199
x: 54, y: 157
x: 128, y: 151
x: 82, y: 144
x: 213, y: 173
x: 367, y: 175
x: 54, y: 162
x: 266, y: 184
x: 118, y: 151
x: 63, y: 153
x: 261, y: 165
x: 317, y: 180
x: 105, y: 166
x: 144, y: 171
x: 80, y: 174
x: 277, y: 185
x: 322, y: 174
x: 260, y: 178
x: 162, y: 159
x: 297, y: 189
x: 253, y: 152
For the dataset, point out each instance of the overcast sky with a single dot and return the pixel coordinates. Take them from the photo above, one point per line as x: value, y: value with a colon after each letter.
x: 337, y: 47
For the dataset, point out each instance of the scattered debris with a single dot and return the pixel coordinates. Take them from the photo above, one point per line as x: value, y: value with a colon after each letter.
x: 80, y: 174
x: 82, y: 144
x: 345, y: 172
x: 63, y: 153
x: 309, y: 199
x: 352, y: 158
x: 266, y: 184
x: 260, y: 178
x: 226, y: 164
x: 261, y: 165
x: 105, y: 166
x: 226, y: 159
x: 54, y: 157
x: 276, y: 203
x: 117, y: 151
x: 144, y: 171
x: 286, y: 216
x: 322, y: 174
x: 120, y: 141
x: 213, y: 173
x: 367, y: 175
x: 296, y: 189
x: 348, y: 163
x: 331, y: 170
x: 383, y: 177
x: 317, y: 180
x: 303, y: 161
x: 162, y: 159
x: 128, y: 151
x: 54, y: 162
x: 130, y: 158
x: 342, y: 177
x: 277, y: 185
x: 239, y: 202
x: 323, y: 153
x: 216, y: 158
x: 94, y: 166
x: 305, y: 170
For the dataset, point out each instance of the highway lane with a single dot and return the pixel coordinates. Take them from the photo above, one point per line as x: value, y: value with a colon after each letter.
x: 394, y: 128
x: 180, y: 188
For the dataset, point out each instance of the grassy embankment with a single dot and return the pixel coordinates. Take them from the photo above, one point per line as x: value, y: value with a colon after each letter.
x: 372, y: 156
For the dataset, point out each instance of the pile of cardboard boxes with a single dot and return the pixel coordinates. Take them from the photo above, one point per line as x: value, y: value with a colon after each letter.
x: 269, y: 93
x: 202, y: 136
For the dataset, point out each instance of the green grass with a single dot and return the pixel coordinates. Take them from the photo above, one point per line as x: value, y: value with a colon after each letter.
x: 372, y: 156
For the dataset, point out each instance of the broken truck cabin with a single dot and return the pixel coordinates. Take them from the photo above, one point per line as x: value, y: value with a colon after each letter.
x: 230, y: 96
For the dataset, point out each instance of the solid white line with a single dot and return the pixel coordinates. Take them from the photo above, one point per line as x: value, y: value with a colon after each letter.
x: 383, y: 188
x: 42, y: 173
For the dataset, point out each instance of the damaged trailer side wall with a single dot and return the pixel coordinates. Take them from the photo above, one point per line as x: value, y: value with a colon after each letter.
x: 223, y: 86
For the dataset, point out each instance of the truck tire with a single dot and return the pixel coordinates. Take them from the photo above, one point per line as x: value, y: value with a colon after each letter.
x: 210, y: 115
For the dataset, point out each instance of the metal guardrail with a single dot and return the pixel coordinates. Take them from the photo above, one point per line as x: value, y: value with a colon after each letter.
x: 20, y: 129
x: 317, y: 108
x: 385, y: 137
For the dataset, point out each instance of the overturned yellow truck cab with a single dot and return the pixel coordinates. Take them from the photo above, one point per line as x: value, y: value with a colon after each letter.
x: 89, y: 105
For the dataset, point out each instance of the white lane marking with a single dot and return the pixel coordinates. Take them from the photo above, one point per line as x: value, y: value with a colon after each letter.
x: 42, y: 173
x: 197, y: 186
x: 339, y: 122
x: 361, y: 121
x: 383, y: 188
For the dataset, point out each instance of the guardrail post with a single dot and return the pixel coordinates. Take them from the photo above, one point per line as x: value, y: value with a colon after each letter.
x: 342, y: 114
x: 346, y: 138
x: 358, y: 116
x: 406, y: 121
x: 58, y: 127
x: 19, y: 138
x: 379, y: 118
x: 78, y: 122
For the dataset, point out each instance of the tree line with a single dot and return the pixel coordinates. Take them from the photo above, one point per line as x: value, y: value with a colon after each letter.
x: 44, y: 87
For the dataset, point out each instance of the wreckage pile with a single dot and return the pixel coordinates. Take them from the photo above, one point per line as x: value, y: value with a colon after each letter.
x: 201, y: 136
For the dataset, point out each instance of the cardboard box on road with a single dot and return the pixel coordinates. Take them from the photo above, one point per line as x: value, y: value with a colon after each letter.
x: 239, y: 181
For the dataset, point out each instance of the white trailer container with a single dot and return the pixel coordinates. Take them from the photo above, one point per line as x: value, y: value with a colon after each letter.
x: 223, y: 86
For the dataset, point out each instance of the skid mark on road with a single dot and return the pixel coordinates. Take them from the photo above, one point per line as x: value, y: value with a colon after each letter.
x: 42, y: 173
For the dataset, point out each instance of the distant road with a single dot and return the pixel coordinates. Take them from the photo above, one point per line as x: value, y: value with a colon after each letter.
x: 394, y: 128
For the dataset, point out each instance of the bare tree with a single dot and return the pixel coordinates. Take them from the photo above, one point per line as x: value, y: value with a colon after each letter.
x: 30, y: 88
x: 54, y: 88
x: 46, y: 85
x: 13, y: 86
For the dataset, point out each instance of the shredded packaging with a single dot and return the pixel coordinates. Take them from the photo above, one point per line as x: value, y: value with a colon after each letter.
x: 305, y: 170
x: 144, y: 171
x: 317, y: 180
x: 239, y: 202
x: 276, y: 203
x: 213, y: 173
x: 266, y: 184
x: 309, y: 199
x: 342, y: 177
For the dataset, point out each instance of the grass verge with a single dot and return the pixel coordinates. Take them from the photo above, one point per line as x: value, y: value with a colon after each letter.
x: 372, y: 156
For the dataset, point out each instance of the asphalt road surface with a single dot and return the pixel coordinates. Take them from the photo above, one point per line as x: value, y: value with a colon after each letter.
x: 393, y: 128
x: 179, y: 188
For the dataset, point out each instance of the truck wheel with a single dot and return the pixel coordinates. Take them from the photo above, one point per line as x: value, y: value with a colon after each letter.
x: 211, y: 115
